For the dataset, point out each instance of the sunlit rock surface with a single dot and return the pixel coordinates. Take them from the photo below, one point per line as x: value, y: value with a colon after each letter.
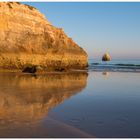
x: 106, y: 57
x: 28, y: 38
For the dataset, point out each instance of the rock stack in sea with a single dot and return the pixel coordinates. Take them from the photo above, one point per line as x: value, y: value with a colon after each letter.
x: 28, y: 38
x: 106, y: 57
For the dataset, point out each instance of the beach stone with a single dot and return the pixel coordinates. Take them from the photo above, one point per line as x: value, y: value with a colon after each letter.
x: 30, y: 69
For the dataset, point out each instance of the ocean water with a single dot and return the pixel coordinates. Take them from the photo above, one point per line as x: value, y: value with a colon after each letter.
x: 115, y: 65
x: 108, y: 107
x: 98, y: 103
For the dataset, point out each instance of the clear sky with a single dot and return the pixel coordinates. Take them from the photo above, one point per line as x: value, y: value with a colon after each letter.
x: 98, y: 27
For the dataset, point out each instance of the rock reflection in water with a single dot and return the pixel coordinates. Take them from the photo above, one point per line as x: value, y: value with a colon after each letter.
x: 26, y: 99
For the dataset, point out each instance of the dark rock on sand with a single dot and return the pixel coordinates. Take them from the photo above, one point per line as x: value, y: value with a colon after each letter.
x: 30, y: 69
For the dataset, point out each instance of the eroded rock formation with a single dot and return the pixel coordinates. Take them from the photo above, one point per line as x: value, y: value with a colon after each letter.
x: 106, y: 57
x: 28, y: 38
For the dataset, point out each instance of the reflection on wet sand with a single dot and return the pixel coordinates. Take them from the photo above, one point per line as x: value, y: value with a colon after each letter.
x: 26, y: 99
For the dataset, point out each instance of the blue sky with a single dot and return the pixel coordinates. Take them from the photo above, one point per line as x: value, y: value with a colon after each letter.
x: 98, y: 27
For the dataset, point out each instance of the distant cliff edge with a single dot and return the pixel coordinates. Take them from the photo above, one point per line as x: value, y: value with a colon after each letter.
x: 27, y: 38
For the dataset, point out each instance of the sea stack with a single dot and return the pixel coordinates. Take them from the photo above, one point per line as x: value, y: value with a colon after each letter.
x: 28, y: 38
x: 106, y: 57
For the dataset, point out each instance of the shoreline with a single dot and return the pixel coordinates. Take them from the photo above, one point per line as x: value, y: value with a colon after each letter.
x: 65, y: 72
x: 43, y: 72
x: 120, y: 71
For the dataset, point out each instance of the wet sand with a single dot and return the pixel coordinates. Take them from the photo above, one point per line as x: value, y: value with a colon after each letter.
x: 64, y: 105
x: 53, y: 129
x: 26, y: 100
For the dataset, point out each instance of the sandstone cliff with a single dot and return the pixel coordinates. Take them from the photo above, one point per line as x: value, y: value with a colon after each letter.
x: 27, y: 37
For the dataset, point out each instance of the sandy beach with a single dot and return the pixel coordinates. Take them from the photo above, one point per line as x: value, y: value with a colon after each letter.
x: 97, y: 104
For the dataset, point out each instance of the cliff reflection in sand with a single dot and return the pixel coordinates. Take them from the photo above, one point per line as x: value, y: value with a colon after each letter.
x: 26, y: 99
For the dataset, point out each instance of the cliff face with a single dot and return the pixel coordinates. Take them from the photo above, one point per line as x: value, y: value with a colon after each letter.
x: 27, y: 37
